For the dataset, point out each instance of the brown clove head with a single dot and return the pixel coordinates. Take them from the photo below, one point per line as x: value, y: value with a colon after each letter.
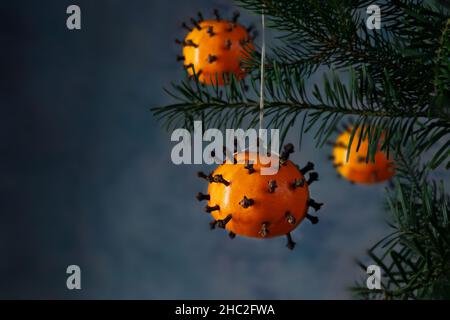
x: 298, y: 183
x: 210, y: 31
x: 219, y: 179
x: 246, y: 202
x: 287, y: 150
x: 264, y: 232
x: 290, y: 218
x: 212, y: 58
x: 272, y: 186
x: 249, y: 167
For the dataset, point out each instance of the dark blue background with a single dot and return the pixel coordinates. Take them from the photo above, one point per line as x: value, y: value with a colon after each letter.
x: 86, y: 176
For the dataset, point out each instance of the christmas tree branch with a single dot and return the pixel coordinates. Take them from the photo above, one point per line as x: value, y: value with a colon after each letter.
x: 333, y: 33
x: 415, y: 258
x: 442, y: 71
x: 377, y: 111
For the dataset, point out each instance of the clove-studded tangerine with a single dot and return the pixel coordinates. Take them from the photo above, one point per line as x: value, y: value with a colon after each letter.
x: 358, y: 168
x: 215, y: 49
x: 247, y: 203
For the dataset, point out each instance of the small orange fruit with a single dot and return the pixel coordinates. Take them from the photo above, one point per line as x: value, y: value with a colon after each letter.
x: 246, y: 203
x: 357, y: 169
x: 215, y: 49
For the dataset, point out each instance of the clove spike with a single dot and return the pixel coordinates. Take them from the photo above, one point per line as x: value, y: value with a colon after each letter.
x: 287, y: 150
x: 236, y: 16
x: 191, y: 43
x: 185, y: 26
x: 337, y: 165
x: 209, y: 209
x: 346, y: 127
x: 216, y: 13
x: 203, y: 175
x: 315, y: 205
x: 243, y: 42
x: 195, y: 23
x: 213, y: 224
x: 340, y: 145
x: 311, y: 218
x: 309, y: 166
x: 200, y: 196
x: 313, y: 176
x: 290, y: 243
x: 222, y: 223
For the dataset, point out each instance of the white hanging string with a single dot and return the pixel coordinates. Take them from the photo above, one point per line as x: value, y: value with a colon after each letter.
x: 261, y: 88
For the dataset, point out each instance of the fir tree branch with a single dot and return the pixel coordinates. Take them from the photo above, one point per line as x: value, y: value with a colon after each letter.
x: 333, y: 33
x: 377, y: 110
x: 415, y: 258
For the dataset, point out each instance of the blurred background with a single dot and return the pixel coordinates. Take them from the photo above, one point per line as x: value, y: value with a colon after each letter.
x: 86, y: 176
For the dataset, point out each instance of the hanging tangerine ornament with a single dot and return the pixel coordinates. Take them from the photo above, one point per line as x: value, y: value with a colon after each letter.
x: 358, y: 169
x: 247, y: 203
x: 214, y: 49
